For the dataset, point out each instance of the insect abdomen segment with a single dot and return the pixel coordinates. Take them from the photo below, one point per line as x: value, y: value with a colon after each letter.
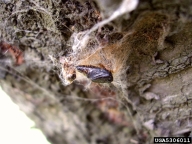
x: 96, y: 74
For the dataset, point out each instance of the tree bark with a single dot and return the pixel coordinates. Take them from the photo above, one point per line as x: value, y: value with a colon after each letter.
x: 148, y: 52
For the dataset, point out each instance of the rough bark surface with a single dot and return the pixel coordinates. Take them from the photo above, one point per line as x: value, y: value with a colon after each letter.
x: 152, y: 98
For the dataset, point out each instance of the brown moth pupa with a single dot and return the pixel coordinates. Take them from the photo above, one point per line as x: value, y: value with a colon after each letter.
x: 96, y: 74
